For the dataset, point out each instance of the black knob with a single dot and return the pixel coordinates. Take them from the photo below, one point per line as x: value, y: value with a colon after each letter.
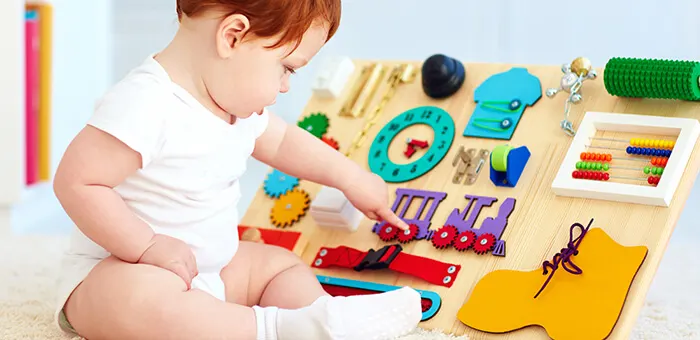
x: 442, y: 76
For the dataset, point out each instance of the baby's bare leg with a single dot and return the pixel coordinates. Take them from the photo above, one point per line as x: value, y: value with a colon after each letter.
x: 119, y: 300
x: 290, y: 303
x: 266, y: 275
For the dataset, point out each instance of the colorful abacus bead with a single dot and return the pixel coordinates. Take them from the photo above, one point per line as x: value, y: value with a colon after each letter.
x: 653, y: 180
x: 594, y: 175
x: 633, y: 150
x: 596, y: 166
x: 659, y: 161
x: 653, y: 170
x: 652, y: 143
x: 592, y: 156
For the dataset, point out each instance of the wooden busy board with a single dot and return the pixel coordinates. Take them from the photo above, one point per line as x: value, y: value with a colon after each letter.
x: 537, y: 229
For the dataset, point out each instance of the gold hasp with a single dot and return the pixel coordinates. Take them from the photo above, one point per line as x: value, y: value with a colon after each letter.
x: 363, y: 91
x: 400, y: 74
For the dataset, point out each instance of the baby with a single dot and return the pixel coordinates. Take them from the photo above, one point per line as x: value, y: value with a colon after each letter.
x: 152, y: 184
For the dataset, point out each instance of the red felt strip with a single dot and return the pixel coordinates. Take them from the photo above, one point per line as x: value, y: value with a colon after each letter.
x: 427, y: 269
x: 334, y: 290
x: 280, y: 238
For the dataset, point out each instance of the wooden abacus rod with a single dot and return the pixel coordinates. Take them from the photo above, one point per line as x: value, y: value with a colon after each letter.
x: 642, y: 142
x: 604, y: 176
x: 634, y: 150
x: 600, y: 166
x: 606, y: 157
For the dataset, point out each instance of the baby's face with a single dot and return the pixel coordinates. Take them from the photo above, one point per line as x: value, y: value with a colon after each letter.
x: 251, y: 76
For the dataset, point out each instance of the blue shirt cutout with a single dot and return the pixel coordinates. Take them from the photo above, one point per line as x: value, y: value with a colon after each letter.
x: 493, y: 98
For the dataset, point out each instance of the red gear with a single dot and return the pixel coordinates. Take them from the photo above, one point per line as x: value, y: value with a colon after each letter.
x: 444, y: 236
x: 464, y: 240
x: 484, y: 243
x: 388, y: 232
x: 408, y: 235
x: 330, y: 141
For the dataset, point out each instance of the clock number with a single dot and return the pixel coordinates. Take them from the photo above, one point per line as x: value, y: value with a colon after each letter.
x: 444, y: 130
x: 381, y: 167
x: 426, y: 114
x: 381, y: 139
x: 430, y: 158
x: 393, y: 127
x: 377, y: 154
x: 438, y: 118
x: 414, y: 168
x: 409, y: 117
x: 396, y: 172
x: 442, y: 145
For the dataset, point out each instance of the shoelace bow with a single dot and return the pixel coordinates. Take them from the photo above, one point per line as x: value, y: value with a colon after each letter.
x: 564, y: 256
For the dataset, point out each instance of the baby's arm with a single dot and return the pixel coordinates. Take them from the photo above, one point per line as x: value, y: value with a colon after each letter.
x: 93, y: 164
x: 298, y: 153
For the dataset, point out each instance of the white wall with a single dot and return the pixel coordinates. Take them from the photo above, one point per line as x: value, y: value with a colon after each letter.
x: 82, y: 66
x: 512, y: 31
x: 82, y: 72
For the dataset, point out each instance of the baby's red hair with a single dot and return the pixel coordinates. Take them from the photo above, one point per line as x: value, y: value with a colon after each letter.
x: 289, y: 19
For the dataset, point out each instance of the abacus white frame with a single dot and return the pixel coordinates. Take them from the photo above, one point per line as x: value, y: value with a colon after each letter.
x: 686, y: 131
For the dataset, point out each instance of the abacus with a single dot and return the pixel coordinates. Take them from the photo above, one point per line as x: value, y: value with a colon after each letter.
x: 640, y: 169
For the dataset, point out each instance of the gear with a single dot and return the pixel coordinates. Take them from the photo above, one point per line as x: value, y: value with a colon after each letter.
x: 444, y: 236
x: 464, y: 240
x: 278, y: 183
x: 484, y: 243
x: 409, y: 234
x: 289, y: 208
x: 388, y: 232
x: 331, y: 141
x: 316, y: 124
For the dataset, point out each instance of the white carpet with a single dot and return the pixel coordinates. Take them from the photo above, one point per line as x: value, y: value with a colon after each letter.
x: 29, y: 268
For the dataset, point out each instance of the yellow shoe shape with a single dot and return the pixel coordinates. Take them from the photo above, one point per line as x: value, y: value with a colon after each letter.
x: 582, y: 300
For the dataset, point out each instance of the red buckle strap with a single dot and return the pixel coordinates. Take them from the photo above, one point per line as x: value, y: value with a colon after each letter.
x: 389, y: 257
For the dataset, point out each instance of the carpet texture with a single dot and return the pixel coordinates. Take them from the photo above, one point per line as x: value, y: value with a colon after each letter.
x: 30, y: 265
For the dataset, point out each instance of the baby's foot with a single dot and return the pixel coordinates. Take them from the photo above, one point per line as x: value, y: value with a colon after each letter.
x: 374, y: 316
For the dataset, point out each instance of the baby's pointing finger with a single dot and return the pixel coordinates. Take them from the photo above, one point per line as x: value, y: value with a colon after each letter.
x: 392, y: 219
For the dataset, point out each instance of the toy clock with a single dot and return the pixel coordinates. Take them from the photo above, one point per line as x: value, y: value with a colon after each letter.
x: 443, y: 130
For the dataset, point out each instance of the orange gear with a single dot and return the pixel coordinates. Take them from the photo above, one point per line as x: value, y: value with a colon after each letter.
x: 289, y: 208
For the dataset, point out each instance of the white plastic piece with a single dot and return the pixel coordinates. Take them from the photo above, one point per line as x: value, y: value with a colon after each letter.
x: 686, y: 131
x: 331, y: 209
x: 335, y: 73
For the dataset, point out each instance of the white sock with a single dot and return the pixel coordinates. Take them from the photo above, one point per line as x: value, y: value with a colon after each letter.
x: 367, y: 317
x: 266, y: 321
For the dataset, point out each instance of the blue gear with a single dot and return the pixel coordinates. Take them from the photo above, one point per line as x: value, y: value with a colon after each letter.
x: 278, y: 183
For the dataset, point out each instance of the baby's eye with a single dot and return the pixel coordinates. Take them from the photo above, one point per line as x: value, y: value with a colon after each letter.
x: 290, y: 70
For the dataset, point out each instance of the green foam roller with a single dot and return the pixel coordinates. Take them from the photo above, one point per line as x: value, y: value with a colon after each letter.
x: 652, y: 78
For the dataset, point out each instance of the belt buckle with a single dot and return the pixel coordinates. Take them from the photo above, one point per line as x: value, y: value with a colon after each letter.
x: 371, y: 260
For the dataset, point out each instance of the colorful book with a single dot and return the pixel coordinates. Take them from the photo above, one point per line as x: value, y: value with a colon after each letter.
x: 45, y: 10
x: 32, y: 97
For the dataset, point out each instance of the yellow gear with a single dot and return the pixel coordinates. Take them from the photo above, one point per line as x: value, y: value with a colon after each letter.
x: 289, y: 208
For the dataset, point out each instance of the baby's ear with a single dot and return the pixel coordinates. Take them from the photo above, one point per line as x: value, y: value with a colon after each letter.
x: 231, y: 31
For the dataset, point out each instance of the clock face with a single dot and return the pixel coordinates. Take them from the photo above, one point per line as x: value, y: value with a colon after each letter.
x: 443, y: 129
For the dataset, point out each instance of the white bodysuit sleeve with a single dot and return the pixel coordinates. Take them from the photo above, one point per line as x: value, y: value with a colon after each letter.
x: 133, y: 112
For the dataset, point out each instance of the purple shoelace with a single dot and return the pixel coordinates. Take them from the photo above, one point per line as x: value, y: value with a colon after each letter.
x: 564, y: 257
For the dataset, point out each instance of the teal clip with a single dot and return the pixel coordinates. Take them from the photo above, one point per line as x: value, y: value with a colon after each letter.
x: 513, y: 105
x: 505, y: 124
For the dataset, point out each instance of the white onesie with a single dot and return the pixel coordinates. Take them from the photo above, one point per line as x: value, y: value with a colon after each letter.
x: 188, y: 187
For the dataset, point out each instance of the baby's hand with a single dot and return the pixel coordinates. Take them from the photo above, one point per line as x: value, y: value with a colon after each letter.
x: 171, y: 254
x: 369, y: 193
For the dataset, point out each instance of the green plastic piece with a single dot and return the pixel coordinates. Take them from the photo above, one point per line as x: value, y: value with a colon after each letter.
x: 652, y: 78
